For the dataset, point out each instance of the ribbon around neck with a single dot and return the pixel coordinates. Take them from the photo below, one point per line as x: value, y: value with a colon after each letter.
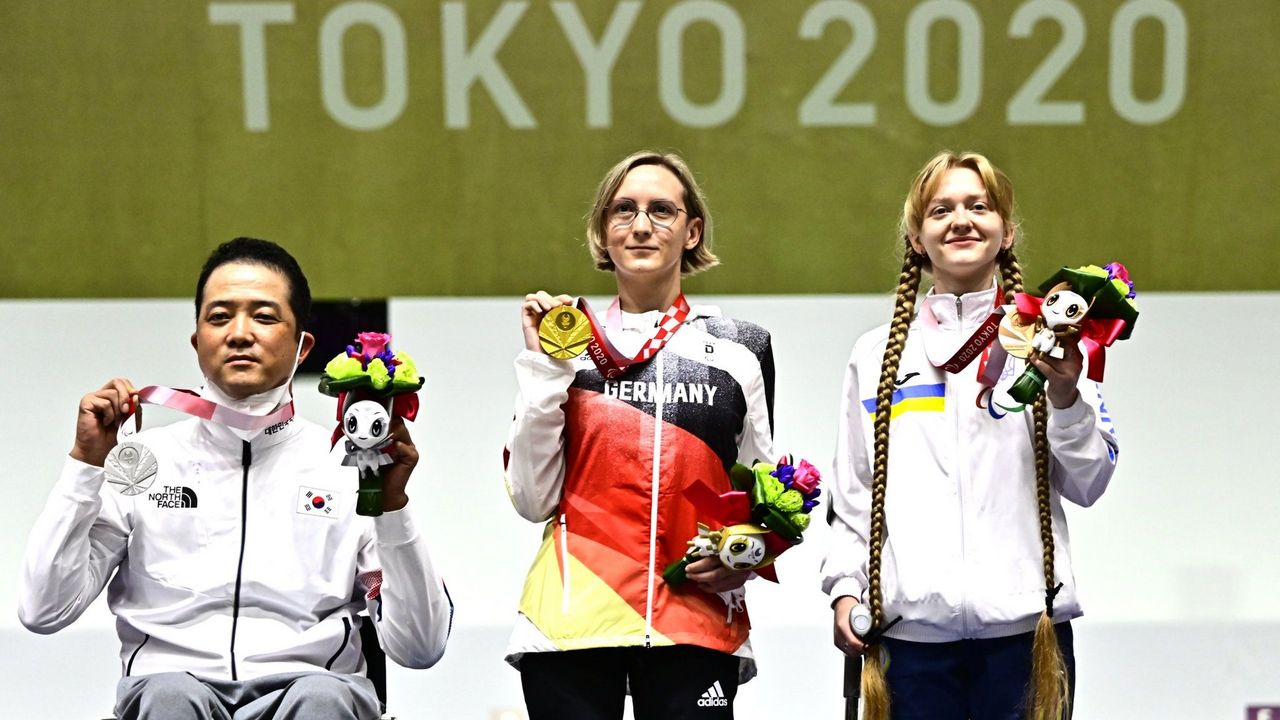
x: 977, y: 343
x: 608, y: 360
x: 187, y: 401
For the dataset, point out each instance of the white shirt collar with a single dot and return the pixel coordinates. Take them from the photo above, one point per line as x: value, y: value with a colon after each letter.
x: 260, y: 404
x: 957, y: 316
x: 959, y: 312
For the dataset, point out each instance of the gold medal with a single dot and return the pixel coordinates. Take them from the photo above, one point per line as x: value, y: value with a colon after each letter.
x: 564, y: 332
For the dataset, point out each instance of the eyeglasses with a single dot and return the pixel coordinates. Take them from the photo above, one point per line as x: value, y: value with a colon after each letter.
x: 661, y: 213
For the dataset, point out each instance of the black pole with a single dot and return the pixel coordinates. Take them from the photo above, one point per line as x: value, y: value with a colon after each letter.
x: 852, y: 686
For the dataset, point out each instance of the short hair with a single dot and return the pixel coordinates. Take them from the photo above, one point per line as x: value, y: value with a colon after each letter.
x: 999, y: 191
x: 253, y: 251
x: 695, y: 204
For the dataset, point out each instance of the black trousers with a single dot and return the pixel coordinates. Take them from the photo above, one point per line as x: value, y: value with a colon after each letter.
x: 967, y: 680
x: 666, y: 683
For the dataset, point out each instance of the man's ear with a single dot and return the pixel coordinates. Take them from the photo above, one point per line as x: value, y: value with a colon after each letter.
x: 194, y: 346
x: 308, y: 342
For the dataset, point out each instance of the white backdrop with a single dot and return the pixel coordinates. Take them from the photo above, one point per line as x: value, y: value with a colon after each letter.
x: 1177, y: 563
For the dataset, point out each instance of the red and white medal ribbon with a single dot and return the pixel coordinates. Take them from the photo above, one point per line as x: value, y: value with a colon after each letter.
x: 131, y: 467
x: 978, y: 345
x: 186, y: 401
x: 606, y: 357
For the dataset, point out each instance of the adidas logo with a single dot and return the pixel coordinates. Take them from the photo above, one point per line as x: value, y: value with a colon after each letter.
x: 713, y: 697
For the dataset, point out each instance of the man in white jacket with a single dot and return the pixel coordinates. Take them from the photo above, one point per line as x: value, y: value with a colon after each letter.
x: 240, y: 566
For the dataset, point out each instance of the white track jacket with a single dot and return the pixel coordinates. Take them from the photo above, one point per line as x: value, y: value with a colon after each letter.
x: 243, y: 559
x: 962, y: 556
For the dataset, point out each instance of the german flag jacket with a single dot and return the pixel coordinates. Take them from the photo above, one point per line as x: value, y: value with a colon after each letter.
x: 606, y: 464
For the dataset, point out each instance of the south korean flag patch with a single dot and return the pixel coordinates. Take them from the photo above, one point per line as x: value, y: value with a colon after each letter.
x: 317, y: 503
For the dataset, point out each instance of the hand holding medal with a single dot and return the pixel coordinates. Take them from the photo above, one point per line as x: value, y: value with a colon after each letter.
x: 101, y: 415
x: 564, y: 332
x: 373, y: 386
x: 128, y: 467
x: 568, y: 326
x: 536, y: 311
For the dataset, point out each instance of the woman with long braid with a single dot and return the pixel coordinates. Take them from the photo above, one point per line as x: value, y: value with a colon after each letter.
x: 947, y: 504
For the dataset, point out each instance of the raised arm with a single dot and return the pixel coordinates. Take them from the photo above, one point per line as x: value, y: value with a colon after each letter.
x: 534, y: 454
x: 82, y: 533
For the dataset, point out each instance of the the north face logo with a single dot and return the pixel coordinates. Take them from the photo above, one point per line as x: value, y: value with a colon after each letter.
x: 173, y: 496
x: 713, y: 697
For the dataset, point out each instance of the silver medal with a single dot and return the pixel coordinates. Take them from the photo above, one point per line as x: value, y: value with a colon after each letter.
x: 130, y: 468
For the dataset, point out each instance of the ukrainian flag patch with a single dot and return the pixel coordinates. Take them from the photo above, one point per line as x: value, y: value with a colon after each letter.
x: 913, y: 398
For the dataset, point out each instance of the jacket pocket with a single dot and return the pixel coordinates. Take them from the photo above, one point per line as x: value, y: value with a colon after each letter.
x: 346, y: 638
x: 564, y: 564
x: 128, y: 668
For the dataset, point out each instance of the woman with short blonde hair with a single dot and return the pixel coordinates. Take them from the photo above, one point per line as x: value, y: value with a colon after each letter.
x: 662, y: 394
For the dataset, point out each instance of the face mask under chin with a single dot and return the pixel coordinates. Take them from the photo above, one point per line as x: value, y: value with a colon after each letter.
x: 259, y: 404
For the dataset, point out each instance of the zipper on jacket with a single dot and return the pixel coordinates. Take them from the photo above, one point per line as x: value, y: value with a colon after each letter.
x: 564, y: 563
x: 129, y: 667
x: 246, y: 459
x: 653, y: 504
x: 962, y: 476
x: 346, y: 636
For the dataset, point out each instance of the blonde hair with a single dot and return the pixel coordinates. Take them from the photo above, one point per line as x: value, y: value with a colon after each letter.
x: 999, y: 192
x: 1048, y: 692
x: 695, y: 204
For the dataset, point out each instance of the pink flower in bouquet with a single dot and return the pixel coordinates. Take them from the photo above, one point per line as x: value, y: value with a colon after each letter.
x: 372, y: 344
x: 806, y: 478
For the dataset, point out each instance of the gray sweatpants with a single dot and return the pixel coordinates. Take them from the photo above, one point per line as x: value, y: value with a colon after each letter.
x: 287, y: 696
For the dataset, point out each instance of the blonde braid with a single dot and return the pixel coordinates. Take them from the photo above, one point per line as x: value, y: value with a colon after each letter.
x: 1049, y: 692
x: 875, y: 691
x: 1010, y: 274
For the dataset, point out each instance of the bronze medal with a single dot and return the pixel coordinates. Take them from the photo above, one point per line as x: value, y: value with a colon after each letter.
x: 564, y: 332
x: 1016, y: 334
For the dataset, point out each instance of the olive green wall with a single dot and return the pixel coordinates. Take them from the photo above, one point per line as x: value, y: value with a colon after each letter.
x: 450, y: 148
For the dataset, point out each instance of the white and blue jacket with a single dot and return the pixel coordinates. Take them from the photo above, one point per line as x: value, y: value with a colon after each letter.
x: 962, y: 557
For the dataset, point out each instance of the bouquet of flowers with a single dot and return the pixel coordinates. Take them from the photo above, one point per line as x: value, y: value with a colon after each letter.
x: 1094, y: 304
x: 766, y: 513
x: 373, y: 385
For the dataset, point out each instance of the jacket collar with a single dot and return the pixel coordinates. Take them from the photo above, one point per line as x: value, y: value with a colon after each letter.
x: 260, y: 404
x: 951, y: 320
x: 960, y: 312
x: 647, y: 321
